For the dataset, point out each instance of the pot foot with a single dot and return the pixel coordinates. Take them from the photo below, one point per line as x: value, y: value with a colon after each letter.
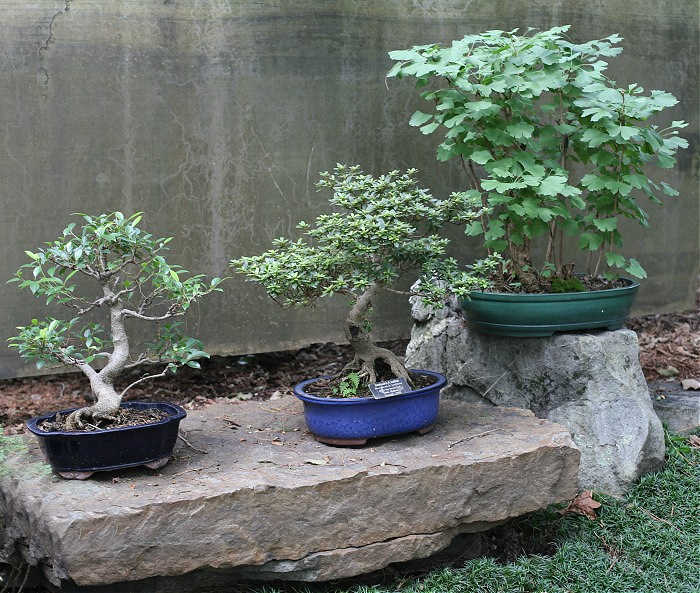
x: 341, y: 442
x: 425, y: 429
x: 158, y: 463
x: 75, y: 475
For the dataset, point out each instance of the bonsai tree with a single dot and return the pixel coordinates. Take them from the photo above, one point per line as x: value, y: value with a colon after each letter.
x: 382, y: 227
x: 126, y: 265
x: 550, y: 145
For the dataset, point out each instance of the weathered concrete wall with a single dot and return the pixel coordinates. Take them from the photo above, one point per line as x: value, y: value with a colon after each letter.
x: 215, y: 116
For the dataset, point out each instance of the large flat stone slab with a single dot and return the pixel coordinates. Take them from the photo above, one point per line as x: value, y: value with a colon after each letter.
x: 269, y: 502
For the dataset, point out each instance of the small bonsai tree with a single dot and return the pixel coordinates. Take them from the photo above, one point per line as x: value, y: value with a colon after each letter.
x: 382, y: 228
x: 134, y: 280
x: 550, y: 145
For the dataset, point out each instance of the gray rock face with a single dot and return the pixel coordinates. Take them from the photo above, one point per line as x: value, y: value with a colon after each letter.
x: 678, y: 408
x: 269, y: 502
x: 592, y: 383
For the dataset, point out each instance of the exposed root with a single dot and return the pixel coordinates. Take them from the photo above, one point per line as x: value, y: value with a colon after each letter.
x: 369, y: 357
x: 75, y: 419
x: 353, y: 365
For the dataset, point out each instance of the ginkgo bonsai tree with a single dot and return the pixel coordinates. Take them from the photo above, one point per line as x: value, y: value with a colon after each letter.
x: 134, y: 281
x: 382, y: 227
x: 550, y: 145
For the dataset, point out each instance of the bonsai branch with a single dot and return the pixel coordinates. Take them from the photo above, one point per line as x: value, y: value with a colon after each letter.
x: 145, y: 378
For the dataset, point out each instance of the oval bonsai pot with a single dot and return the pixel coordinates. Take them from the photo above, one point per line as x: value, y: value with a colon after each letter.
x: 78, y: 455
x: 351, y: 421
x: 538, y: 315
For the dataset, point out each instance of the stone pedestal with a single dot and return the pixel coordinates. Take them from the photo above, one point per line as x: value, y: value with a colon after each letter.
x: 268, y: 502
x: 591, y: 382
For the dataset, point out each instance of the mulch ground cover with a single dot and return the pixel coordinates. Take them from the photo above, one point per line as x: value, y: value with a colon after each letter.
x: 221, y: 379
x: 669, y: 348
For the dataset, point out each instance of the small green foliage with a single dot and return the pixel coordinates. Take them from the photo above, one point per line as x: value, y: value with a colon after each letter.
x: 380, y: 228
x: 521, y: 111
x: 133, y: 280
x: 348, y: 385
x: 567, y: 285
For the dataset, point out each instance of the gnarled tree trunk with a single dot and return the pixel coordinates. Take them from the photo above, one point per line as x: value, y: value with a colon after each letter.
x: 107, y: 400
x: 366, y: 352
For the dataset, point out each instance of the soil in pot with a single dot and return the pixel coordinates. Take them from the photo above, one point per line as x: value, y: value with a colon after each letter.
x: 353, y: 385
x: 540, y: 285
x: 122, y: 418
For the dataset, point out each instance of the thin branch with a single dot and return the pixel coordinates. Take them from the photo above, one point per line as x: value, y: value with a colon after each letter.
x: 169, y: 314
x: 190, y: 445
x: 154, y: 376
x: 469, y: 438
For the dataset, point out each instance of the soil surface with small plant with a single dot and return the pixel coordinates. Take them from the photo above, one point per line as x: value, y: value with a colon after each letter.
x: 122, y: 418
x: 353, y: 385
x: 541, y: 285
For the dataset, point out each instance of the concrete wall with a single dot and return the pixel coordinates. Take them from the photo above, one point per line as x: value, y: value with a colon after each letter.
x: 215, y: 116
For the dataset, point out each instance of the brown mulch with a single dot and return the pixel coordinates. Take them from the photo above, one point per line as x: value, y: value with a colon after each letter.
x: 221, y: 379
x: 669, y: 344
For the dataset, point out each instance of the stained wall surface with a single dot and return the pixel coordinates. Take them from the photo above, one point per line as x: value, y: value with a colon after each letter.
x: 215, y: 117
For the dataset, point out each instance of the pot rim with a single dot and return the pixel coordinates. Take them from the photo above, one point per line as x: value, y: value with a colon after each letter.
x: 340, y: 401
x: 583, y: 295
x: 176, y: 413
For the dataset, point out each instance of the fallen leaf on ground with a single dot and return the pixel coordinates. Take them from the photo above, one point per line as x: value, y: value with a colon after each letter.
x: 694, y: 440
x: 690, y: 384
x: 583, y: 504
x: 324, y: 461
x: 669, y: 371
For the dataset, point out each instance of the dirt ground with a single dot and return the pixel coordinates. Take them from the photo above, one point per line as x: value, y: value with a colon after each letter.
x: 669, y: 348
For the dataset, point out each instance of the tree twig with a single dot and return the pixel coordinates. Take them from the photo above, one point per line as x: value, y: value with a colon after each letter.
x: 190, y: 445
x: 154, y: 376
x: 469, y: 438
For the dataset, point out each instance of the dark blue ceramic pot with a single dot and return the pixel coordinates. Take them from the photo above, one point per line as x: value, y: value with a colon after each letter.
x: 80, y: 454
x: 351, y: 421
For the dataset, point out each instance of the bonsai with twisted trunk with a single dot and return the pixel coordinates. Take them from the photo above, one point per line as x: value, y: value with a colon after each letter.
x: 381, y: 228
x: 134, y: 281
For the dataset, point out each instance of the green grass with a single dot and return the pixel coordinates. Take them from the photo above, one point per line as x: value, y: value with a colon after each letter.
x: 648, y: 542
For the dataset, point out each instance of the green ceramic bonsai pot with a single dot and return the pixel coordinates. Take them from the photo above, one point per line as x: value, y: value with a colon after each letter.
x: 538, y: 315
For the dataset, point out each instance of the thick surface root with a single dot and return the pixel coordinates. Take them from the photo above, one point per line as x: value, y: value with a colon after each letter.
x: 368, y: 360
x: 75, y: 420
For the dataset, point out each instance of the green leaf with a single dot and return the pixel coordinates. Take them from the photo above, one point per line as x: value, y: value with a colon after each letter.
x: 430, y: 128
x: 520, y: 130
x: 628, y: 132
x: 605, y: 224
x: 594, y: 137
x: 552, y: 185
x: 473, y: 229
x: 481, y: 156
x: 590, y: 241
x: 614, y: 260
x: 668, y: 190
x: 635, y: 269
x: 419, y: 118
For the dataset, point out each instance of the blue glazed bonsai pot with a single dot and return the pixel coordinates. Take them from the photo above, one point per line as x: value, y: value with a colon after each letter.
x: 351, y: 421
x: 77, y: 455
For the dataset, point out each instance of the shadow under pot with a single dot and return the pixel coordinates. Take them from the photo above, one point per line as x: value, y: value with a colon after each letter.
x: 79, y: 454
x: 352, y: 421
x: 541, y: 315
